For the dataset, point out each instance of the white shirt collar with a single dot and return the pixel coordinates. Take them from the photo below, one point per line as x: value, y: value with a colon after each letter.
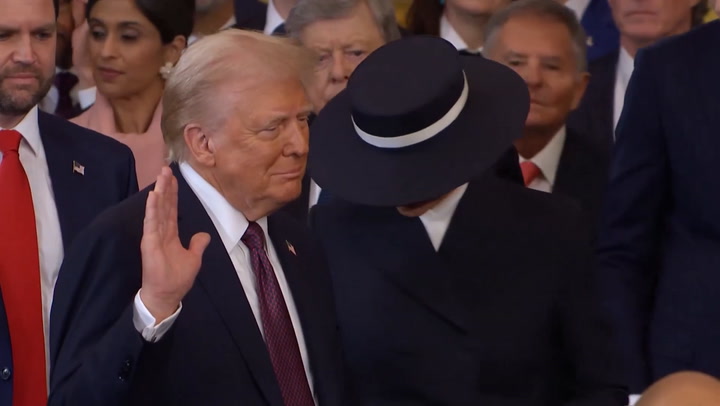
x: 437, y: 220
x: 230, y: 223
x: 272, y: 19
x: 578, y: 6
x: 626, y: 65
x: 448, y: 33
x: 548, y: 158
x: 30, y: 130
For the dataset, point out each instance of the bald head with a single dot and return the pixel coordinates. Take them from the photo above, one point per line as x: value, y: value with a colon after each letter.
x: 683, y: 389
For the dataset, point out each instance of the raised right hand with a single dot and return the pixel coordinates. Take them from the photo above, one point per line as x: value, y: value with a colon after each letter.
x: 168, y: 269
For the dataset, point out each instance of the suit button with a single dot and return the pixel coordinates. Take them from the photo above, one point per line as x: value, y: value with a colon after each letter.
x: 5, y: 374
x: 125, y: 370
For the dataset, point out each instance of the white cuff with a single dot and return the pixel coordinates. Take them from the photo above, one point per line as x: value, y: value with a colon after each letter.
x: 144, y: 322
x: 634, y: 399
x: 86, y: 97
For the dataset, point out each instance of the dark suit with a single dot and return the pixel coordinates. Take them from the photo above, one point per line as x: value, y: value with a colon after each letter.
x: 502, y: 315
x: 659, y: 246
x: 582, y: 174
x: 214, y: 354
x: 603, y: 35
x: 594, y: 118
x: 250, y: 14
x: 109, y: 178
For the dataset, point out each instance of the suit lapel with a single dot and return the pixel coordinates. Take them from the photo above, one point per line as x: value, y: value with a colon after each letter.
x: 604, y: 76
x: 305, y: 296
x: 219, y: 279
x: 401, y: 250
x: 68, y: 186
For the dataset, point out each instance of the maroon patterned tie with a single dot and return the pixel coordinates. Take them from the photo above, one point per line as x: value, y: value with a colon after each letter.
x: 280, y: 336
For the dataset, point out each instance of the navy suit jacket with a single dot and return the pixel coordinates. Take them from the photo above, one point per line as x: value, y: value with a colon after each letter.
x: 109, y: 178
x: 504, y: 314
x: 594, y: 118
x: 250, y: 14
x: 659, y: 246
x: 603, y: 35
x: 214, y: 354
x: 582, y: 174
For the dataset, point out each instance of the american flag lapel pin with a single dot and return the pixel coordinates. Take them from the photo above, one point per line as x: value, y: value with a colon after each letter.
x: 291, y: 248
x: 77, y: 168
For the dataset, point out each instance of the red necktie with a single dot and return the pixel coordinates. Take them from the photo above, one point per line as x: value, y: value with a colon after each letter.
x: 280, y: 336
x: 20, y: 276
x: 530, y: 172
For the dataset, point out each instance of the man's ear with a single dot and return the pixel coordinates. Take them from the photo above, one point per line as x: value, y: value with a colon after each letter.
x: 199, y: 145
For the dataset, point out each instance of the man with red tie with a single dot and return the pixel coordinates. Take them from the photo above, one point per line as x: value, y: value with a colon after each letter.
x: 55, y: 178
x: 245, y: 316
x: 545, y: 44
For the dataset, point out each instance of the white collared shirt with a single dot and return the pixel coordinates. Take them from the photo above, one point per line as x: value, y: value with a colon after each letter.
x: 47, y: 221
x: 448, y: 33
x: 231, y: 226
x: 625, y: 68
x: 578, y: 6
x: 273, y: 19
x: 437, y: 220
x: 315, y: 190
x: 82, y: 97
x: 547, y: 160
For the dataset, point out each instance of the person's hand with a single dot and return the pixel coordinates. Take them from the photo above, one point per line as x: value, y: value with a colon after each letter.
x: 168, y: 269
x: 82, y: 64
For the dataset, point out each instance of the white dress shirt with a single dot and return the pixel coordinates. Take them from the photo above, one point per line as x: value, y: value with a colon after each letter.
x: 230, y: 225
x: 273, y: 19
x: 315, y: 190
x: 437, y: 220
x: 578, y: 6
x: 547, y: 160
x: 47, y: 221
x: 84, y: 98
x: 625, y: 67
x: 448, y: 33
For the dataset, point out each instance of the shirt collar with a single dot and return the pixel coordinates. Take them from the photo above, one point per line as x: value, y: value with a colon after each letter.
x: 578, y: 6
x: 30, y: 130
x: 625, y: 67
x: 548, y: 158
x: 437, y: 220
x: 448, y: 33
x: 230, y: 223
x: 272, y: 19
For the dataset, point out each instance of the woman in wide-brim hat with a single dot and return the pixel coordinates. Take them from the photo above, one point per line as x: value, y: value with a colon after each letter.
x: 452, y: 286
x: 416, y: 123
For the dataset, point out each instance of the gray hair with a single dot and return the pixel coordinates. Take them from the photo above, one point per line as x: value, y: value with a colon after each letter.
x: 550, y: 9
x: 216, y: 62
x: 307, y: 12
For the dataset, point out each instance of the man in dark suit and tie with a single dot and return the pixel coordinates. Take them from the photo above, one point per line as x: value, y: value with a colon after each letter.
x: 641, y: 24
x: 267, y: 16
x: 659, y: 245
x: 453, y: 287
x: 55, y: 177
x: 545, y: 44
x: 246, y: 314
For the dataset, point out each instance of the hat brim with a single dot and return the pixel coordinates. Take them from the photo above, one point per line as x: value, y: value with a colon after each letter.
x: 349, y: 168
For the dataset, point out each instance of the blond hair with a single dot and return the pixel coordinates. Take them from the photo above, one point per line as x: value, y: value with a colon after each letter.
x: 209, y: 65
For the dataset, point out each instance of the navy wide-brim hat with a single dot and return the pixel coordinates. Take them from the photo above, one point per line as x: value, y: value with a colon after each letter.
x: 416, y: 121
